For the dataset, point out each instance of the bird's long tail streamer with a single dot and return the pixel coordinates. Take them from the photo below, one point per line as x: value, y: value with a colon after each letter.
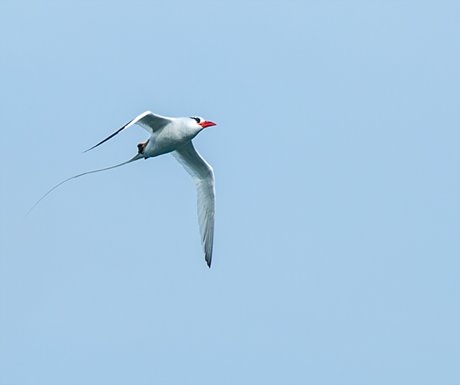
x: 138, y: 156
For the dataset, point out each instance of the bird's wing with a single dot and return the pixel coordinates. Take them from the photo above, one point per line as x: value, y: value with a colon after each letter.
x: 151, y: 122
x: 203, y: 176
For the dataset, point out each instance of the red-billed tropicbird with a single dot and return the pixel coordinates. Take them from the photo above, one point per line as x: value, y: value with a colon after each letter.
x: 174, y: 135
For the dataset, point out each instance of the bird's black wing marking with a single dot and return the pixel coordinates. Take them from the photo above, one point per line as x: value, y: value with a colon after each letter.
x: 110, y: 137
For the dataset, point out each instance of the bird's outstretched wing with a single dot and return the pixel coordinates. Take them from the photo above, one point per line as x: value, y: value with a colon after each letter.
x: 203, y: 177
x: 151, y: 122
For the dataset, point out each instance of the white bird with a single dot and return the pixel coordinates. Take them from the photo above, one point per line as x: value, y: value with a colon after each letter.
x: 174, y: 135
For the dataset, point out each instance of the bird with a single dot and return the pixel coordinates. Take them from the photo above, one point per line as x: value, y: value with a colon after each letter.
x: 173, y: 135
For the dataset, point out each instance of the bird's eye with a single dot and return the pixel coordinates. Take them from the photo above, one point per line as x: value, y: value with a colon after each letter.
x: 195, y: 118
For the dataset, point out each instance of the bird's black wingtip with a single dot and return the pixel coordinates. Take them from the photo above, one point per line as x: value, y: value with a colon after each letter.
x: 109, y: 137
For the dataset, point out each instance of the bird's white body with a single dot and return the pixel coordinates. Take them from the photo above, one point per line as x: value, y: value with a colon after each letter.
x: 170, y: 137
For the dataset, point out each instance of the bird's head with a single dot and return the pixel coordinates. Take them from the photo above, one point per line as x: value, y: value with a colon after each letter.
x: 199, y: 121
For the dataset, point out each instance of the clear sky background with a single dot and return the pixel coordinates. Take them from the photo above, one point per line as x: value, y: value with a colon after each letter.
x: 337, y: 253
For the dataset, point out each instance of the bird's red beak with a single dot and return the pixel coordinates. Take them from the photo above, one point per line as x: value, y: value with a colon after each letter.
x: 207, y: 123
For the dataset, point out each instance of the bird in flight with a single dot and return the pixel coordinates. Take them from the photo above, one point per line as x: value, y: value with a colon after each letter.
x: 173, y: 135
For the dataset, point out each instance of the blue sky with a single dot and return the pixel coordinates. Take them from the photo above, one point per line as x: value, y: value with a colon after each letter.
x: 336, y: 255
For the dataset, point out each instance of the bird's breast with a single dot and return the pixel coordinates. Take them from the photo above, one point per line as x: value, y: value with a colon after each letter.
x: 165, y: 141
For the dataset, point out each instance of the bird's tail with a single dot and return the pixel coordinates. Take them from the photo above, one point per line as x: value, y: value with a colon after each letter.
x: 137, y: 157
